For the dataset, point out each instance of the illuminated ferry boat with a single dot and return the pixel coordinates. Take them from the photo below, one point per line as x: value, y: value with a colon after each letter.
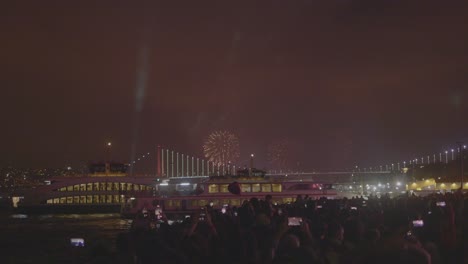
x: 184, y: 194
x: 103, y: 189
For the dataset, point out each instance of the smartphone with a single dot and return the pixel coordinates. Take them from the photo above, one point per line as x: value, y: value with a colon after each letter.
x: 187, y: 216
x: 77, y: 242
x: 418, y: 223
x: 441, y: 204
x: 353, y: 208
x: 319, y: 207
x: 158, y: 212
x: 223, y: 210
x: 294, y: 221
x: 280, y: 211
x: 211, y: 204
x: 202, y: 214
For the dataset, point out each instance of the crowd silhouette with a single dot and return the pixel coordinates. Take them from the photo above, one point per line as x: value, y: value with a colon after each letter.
x: 406, y: 229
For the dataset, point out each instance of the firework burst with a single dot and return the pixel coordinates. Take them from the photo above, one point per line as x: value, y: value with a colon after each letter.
x: 221, y: 147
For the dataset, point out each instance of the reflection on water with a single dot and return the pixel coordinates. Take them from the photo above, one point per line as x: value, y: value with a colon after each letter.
x: 19, y: 216
x: 91, y: 221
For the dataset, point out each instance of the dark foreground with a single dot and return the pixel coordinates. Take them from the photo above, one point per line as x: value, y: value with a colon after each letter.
x: 46, y: 238
x: 374, y: 230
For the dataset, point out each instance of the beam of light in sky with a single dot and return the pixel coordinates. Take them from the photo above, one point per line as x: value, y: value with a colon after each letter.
x: 141, y: 83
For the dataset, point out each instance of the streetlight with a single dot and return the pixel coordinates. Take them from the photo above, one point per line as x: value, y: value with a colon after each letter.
x: 446, y: 156
x: 252, y: 161
x: 452, y: 154
x: 109, y: 146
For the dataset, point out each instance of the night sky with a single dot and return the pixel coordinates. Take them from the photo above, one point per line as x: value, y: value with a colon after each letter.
x: 352, y: 82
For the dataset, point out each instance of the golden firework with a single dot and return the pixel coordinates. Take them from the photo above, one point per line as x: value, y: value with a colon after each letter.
x: 221, y: 147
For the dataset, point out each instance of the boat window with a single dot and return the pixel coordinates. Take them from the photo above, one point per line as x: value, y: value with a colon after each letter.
x: 89, y: 199
x: 213, y: 188
x: 276, y: 187
x: 70, y: 188
x: 223, y: 188
x: 201, y: 202
x: 235, y: 202
x: 62, y: 189
x: 256, y: 187
x: 288, y: 200
x: 176, y: 203
x: 50, y: 201
x: 246, y: 187
x: 266, y: 187
x: 83, y: 187
x: 56, y: 200
x: 89, y: 187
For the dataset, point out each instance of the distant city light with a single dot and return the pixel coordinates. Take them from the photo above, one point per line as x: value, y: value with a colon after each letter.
x: 398, y: 183
x: 109, y: 144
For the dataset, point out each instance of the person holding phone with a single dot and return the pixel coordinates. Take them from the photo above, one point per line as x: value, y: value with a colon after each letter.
x: 203, y: 217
